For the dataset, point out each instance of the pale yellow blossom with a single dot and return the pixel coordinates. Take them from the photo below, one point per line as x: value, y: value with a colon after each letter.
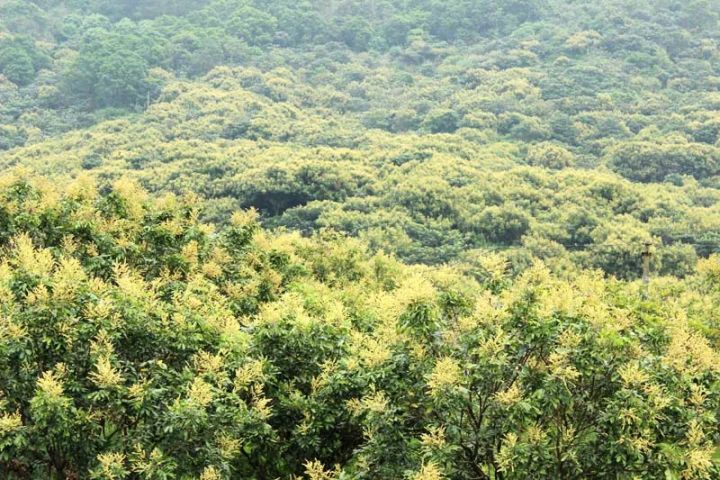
x: 49, y: 385
x: 105, y: 375
x: 429, y: 471
x: 506, y: 455
x: 631, y: 375
x: 9, y: 422
x: 315, y: 470
x: 434, y: 439
x: 210, y: 473
x: 509, y: 396
x: 447, y: 373
x: 112, y: 464
x: 200, y: 392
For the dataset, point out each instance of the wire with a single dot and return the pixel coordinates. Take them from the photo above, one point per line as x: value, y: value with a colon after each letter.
x: 591, y: 246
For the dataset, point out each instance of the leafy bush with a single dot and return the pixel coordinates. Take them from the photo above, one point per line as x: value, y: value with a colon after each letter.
x: 550, y: 156
x: 136, y: 342
x: 650, y: 162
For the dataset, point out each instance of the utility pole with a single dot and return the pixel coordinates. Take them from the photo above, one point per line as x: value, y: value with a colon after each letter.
x: 646, y: 254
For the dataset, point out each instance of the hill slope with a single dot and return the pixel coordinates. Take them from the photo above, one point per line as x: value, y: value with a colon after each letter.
x: 409, y: 124
x: 431, y: 198
x: 361, y: 240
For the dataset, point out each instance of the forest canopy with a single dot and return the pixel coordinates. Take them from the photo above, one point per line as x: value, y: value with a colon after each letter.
x: 552, y: 129
x: 137, y: 342
x: 343, y: 239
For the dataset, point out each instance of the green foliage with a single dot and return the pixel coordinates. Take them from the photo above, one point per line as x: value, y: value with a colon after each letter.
x: 525, y: 151
x: 502, y: 225
x: 557, y: 59
x: 441, y: 121
x: 20, y: 59
x: 108, y: 74
x: 652, y: 162
x: 239, y: 139
x: 137, y: 342
x: 550, y: 156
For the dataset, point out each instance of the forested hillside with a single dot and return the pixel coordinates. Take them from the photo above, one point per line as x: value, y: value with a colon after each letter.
x: 344, y: 239
x: 561, y: 130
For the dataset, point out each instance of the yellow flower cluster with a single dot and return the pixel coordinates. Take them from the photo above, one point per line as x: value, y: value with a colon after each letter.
x: 488, y: 310
x: 210, y: 473
x: 698, y: 395
x: 83, y: 187
x: 690, y: 352
x: 429, y: 471
x: 189, y: 252
x: 506, y: 455
x: 248, y: 374
x: 632, y: 375
x: 629, y: 416
x: 318, y: 382
x: 105, y: 375
x: 417, y: 288
x: 39, y: 296
x: 377, y: 403
x: 111, y: 464
x: 133, y: 194
x: 100, y: 310
x: 560, y: 367
x: 710, y: 268
x: 535, y: 434
x: 137, y: 391
x: 493, y: 347
x: 101, y: 345
x: 261, y: 404
x: 9, y: 422
x: 371, y: 351
x: 6, y: 275
x: 510, y: 396
x: 699, y: 456
x: 200, y: 392
x: 206, y: 362
x: 67, y: 278
x: 49, y: 385
x: 26, y: 257
x: 434, y: 439
x: 131, y: 283
x: 10, y: 330
x: 211, y: 269
x: 446, y: 374
x: 244, y: 218
x: 315, y: 470
x: 143, y: 462
x: 228, y: 446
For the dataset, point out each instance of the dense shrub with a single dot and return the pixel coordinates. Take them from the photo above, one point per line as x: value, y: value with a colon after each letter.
x: 136, y: 342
